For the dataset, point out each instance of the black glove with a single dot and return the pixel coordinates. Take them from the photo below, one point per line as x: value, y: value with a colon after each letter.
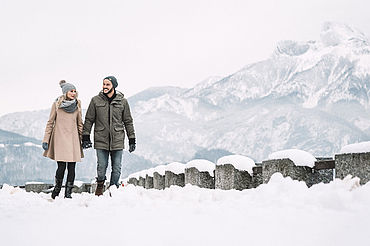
x: 131, y: 144
x: 86, y: 143
x: 45, y: 146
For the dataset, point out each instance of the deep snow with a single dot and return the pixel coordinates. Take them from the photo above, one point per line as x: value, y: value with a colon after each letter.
x: 283, y: 212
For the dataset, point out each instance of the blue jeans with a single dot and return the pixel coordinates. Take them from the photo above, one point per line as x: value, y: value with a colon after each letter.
x: 116, y: 158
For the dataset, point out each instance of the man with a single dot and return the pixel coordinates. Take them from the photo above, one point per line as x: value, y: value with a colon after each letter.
x: 110, y: 113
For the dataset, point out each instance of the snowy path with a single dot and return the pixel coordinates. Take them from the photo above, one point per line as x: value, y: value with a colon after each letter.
x: 283, y: 212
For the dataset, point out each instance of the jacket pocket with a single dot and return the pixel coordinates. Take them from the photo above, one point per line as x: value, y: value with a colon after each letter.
x: 119, y: 132
x: 100, y: 135
x: 99, y: 128
x: 117, y: 112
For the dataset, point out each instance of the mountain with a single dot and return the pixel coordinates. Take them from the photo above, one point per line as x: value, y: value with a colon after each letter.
x: 310, y: 95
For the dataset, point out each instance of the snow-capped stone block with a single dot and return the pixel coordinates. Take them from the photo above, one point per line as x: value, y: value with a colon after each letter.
x: 158, y: 177
x: 298, y: 157
x: 175, y: 174
x: 200, y: 173
x: 355, y: 164
x: 133, y: 181
x: 288, y: 169
x: 80, y: 187
x: 171, y: 178
x: 201, y: 179
x: 239, y: 162
x: 138, y: 178
x: 257, y: 175
x: 38, y: 187
x: 148, y: 178
x: 202, y: 166
x: 158, y: 181
x: 323, y: 172
x: 141, y: 181
x: 149, y: 182
x: 227, y: 177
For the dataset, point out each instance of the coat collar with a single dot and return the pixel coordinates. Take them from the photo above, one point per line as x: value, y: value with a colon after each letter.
x: 119, y: 96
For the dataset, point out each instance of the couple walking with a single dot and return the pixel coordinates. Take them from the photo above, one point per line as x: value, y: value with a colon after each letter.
x: 66, y: 134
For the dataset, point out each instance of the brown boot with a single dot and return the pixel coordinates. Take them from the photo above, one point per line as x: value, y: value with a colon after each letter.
x: 99, y: 188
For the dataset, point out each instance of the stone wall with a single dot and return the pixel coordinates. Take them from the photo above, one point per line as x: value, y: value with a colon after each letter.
x: 198, y: 178
x: 227, y: 177
x: 357, y: 165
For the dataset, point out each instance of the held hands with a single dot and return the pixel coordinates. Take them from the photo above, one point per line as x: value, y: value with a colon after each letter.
x: 45, y: 146
x: 132, y: 144
x: 86, y: 143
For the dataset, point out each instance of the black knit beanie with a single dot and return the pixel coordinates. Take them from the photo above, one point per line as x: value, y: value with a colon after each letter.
x: 113, y: 80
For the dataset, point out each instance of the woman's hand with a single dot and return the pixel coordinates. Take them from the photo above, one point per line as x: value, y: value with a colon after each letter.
x: 45, y: 146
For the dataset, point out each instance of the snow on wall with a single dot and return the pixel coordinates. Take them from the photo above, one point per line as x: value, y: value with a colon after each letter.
x: 161, y: 169
x: 299, y: 157
x: 202, y: 165
x: 356, y: 148
x: 176, y: 167
x: 240, y: 162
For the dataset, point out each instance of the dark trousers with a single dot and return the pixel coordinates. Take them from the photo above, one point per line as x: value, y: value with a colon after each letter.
x: 71, y: 170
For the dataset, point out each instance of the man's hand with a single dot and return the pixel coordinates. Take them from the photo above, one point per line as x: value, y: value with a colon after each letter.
x: 86, y: 143
x: 45, y: 146
x: 132, y: 144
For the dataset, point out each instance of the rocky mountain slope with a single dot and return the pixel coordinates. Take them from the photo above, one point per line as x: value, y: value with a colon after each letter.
x: 310, y: 95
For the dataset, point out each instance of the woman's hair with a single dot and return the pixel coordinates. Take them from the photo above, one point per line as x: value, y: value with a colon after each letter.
x: 61, y: 98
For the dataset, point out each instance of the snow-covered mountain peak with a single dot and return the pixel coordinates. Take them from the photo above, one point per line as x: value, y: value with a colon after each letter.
x: 307, y: 95
x: 333, y: 34
x: 207, y: 82
x: 292, y: 48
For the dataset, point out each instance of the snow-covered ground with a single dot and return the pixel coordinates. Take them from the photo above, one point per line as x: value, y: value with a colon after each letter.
x: 283, y: 212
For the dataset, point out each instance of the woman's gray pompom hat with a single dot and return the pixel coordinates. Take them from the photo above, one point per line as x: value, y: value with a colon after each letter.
x: 66, y: 86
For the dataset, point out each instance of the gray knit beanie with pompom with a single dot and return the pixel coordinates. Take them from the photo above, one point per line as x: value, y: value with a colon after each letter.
x: 66, y: 86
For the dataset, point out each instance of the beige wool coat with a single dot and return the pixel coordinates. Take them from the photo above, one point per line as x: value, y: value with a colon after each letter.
x: 63, y: 134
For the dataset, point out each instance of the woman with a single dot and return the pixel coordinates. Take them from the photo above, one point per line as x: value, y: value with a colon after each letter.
x: 62, y: 139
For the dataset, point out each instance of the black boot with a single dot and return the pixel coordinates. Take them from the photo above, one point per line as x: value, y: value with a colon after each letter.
x: 68, y: 191
x: 57, y: 187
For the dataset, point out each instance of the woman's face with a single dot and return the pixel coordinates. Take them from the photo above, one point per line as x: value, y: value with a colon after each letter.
x: 71, y: 94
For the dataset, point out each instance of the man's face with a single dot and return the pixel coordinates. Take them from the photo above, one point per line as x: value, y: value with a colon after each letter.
x: 107, y: 86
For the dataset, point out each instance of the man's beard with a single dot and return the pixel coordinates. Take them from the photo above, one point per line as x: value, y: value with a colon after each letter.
x: 108, y: 91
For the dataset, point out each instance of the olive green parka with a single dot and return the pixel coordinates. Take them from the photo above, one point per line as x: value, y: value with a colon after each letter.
x: 111, y: 120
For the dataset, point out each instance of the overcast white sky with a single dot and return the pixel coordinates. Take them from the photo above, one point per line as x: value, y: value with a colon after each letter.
x: 146, y: 43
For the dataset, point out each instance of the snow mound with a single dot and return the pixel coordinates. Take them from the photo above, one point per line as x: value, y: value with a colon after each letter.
x: 299, y: 157
x: 361, y: 147
x: 150, y: 172
x: 202, y: 165
x: 138, y: 174
x: 29, y: 144
x: 34, y: 182
x: 176, y: 167
x: 161, y: 169
x: 78, y: 183
x: 342, y: 206
x: 240, y: 162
